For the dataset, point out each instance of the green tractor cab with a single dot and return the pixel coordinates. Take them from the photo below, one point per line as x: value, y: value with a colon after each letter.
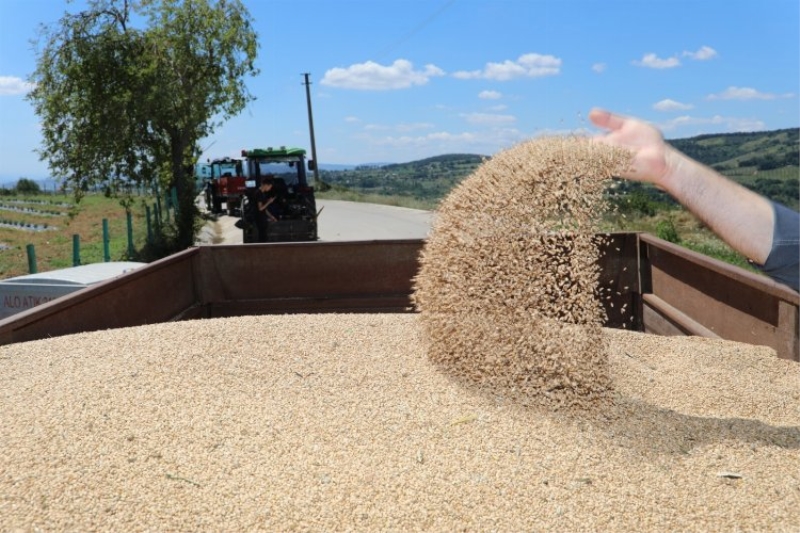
x: 296, y: 204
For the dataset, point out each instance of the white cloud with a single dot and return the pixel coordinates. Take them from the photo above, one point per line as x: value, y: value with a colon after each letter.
x: 371, y: 76
x: 444, y: 140
x: 414, y: 126
x: 422, y: 141
x: 599, y: 67
x: 402, y: 127
x: 352, y: 119
x: 376, y: 127
x: 716, y: 124
x: 489, y: 95
x: 491, y: 119
x: 703, y: 54
x: 467, y: 74
x: 653, y: 61
x: 526, y: 66
x: 671, y: 105
x: 745, y: 93
x: 12, y: 86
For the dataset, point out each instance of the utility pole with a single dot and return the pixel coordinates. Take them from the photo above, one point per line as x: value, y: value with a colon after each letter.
x: 311, y: 129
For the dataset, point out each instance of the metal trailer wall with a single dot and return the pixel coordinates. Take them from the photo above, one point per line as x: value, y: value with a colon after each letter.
x: 20, y: 293
x: 154, y: 293
x: 220, y: 281
x: 686, y: 293
x: 303, y: 277
x: 666, y: 289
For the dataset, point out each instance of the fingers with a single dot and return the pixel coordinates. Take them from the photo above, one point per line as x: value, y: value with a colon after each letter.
x: 605, y: 119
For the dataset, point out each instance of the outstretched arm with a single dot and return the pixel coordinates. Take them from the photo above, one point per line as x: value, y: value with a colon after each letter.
x: 739, y: 216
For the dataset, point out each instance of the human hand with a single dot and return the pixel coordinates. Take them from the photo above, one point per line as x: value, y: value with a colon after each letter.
x: 652, y: 157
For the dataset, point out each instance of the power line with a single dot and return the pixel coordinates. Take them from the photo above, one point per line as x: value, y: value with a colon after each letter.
x: 385, y: 51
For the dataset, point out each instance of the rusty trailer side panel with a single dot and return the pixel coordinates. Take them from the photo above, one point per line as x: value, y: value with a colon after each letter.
x: 221, y: 281
x: 686, y: 293
x: 652, y: 286
x: 619, y: 277
x: 367, y: 276
x: 155, y: 293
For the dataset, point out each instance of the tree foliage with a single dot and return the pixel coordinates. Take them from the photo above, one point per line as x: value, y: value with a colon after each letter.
x: 27, y: 186
x: 127, y: 88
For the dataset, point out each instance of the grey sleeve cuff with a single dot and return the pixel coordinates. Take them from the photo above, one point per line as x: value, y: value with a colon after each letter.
x: 783, y: 262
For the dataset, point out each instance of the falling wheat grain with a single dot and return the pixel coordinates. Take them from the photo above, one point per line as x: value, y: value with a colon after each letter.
x: 507, y: 287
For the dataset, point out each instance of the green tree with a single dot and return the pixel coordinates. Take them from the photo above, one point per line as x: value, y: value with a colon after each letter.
x: 27, y: 186
x: 122, y: 101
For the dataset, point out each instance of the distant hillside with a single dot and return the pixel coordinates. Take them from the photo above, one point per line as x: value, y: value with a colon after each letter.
x: 732, y: 151
x: 447, y: 160
x: 426, y: 179
x: 768, y: 162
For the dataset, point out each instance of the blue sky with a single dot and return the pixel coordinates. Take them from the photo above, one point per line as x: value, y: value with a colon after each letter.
x: 400, y: 80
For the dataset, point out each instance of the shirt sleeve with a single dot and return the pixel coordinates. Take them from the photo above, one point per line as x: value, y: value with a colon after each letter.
x: 783, y: 262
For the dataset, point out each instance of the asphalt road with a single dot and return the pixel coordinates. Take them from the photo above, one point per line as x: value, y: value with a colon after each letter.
x: 341, y: 221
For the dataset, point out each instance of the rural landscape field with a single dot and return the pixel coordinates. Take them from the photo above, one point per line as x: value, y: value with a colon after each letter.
x: 766, y: 162
x: 49, y: 222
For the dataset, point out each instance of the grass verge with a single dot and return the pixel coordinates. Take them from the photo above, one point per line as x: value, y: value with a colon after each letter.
x: 64, y: 218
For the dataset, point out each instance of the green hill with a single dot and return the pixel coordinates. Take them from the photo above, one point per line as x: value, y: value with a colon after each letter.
x: 734, y: 151
x: 426, y: 179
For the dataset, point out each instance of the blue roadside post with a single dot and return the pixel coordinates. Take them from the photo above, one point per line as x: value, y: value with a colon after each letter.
x: 159, y: 215
x: 149, y: 225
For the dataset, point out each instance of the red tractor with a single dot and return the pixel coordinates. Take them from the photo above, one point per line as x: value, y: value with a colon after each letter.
x: 227, y: 184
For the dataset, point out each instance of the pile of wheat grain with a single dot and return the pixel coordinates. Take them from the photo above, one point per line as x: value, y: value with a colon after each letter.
x: 340, y: 423
x: 507, y: 287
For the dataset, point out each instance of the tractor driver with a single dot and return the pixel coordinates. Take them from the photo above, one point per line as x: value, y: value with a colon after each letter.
x: 267, y: 208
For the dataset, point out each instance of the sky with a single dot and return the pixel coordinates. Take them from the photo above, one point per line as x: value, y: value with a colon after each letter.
x: 395, y: 81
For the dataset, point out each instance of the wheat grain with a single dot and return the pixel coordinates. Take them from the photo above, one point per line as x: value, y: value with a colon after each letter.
x: 186, y: 427
x: 507, y: 287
